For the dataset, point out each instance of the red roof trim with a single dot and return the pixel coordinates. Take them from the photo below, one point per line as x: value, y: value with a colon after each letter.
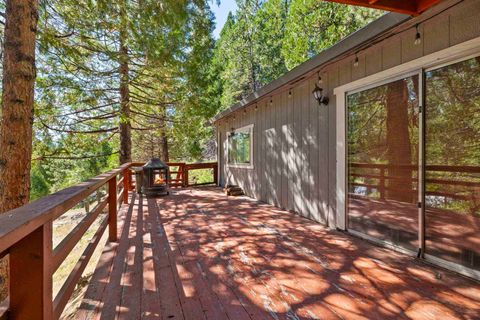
x: 411, y: 7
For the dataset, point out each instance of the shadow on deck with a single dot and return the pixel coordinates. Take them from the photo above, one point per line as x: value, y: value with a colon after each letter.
x: 198, y: 254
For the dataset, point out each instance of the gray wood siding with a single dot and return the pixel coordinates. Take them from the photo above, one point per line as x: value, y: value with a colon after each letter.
x: 294, y: 138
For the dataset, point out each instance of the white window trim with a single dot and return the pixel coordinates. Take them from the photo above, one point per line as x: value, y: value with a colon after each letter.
x: 248, y: 128
x: 434, y: 60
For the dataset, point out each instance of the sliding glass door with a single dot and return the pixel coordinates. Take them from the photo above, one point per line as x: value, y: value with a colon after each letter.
x: 385, y: 134
x: 383, y: 131
x: 452, y: 158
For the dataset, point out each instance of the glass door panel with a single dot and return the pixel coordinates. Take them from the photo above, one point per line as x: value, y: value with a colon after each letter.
x: 383, y: 140
x: 452, y: 156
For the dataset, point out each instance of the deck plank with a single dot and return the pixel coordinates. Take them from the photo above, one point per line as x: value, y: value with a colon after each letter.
x: 151, y: 307
x: 171, y: 307
x: 93, y: 301
x: 198, y: 254
x: 132, y: 278
x: 111, y: 299
x: 190, y: 301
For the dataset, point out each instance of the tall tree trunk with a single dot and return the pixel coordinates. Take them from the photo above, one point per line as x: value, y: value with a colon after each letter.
x: 164, y: 147
x: 164, y: 156
x: 17, y: 109
x: 399, y: 152
x: 125, y: 124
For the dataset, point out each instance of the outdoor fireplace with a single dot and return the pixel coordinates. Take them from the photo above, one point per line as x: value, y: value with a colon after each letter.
x: 155, y: 178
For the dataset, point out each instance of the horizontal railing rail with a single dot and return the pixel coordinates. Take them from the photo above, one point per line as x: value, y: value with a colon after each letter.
x: 26, y: 237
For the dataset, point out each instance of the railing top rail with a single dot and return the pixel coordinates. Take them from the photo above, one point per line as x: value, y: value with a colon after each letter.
x: 201, y: 165
x: 18, y: 223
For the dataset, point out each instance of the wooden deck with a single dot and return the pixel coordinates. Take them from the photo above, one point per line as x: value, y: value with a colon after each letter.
x: 198, y: 254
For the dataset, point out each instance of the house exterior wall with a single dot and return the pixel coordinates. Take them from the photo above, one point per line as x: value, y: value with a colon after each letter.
x: 294, y: 158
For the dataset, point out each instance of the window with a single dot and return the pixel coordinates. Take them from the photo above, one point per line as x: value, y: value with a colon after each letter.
x: 240, y: 143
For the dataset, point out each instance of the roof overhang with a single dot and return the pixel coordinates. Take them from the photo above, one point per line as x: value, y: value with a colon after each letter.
x: 410, y: 7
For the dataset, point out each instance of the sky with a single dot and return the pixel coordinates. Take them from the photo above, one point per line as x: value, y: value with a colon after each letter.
x: 221, y: 13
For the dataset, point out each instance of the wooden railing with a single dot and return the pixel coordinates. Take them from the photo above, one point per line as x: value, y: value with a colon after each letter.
x: 199, y: 166
x: 26, y: 237
x: 180, y: 173
x: 379, y: 172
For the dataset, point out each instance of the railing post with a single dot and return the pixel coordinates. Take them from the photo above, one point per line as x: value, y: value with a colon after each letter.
x: 112, y: 209
x: 31, y: 276
x: 126, y: 184
x: 130, y: 180
x: 185, y: 176
x: 382, y: 183
x: 215, y: 174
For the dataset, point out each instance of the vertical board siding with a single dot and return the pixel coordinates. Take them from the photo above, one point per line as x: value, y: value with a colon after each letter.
x: 284, y: 151
x: 436, y: 34
x: 322, y: 157
x: 465, y: 21
x: 295, y: 138
x: 277, y: 187
x: 297, y: 147
x: 391, y: 53
x: 290, y: 152
x: 373, y: 61
x: 306, y: 137
x: 269, y: 152
x: 256, y: 159
x: 263, y: 151
x: 314, y: 127
x: 331, y: 199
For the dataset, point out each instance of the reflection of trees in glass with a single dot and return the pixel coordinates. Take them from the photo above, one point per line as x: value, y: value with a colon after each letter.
x: 383, y: 130
x: 453, y: 136
x: 239, y: 148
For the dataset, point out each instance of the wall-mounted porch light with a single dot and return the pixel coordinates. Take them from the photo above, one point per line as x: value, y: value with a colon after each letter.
x: 318, y: 95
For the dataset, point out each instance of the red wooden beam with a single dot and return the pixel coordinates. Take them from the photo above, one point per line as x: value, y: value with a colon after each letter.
x: 423, y: 5
x: 411, y: 7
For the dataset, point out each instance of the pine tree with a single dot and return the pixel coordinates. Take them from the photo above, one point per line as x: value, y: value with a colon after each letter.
x: 17, y: 109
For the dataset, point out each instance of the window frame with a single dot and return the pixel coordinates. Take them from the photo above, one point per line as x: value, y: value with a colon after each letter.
x: 245, y: 129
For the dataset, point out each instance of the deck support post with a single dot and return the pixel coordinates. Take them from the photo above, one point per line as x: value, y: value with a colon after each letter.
x: 31, y: 276
x: 126, y: 185
x: 112, y: 209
